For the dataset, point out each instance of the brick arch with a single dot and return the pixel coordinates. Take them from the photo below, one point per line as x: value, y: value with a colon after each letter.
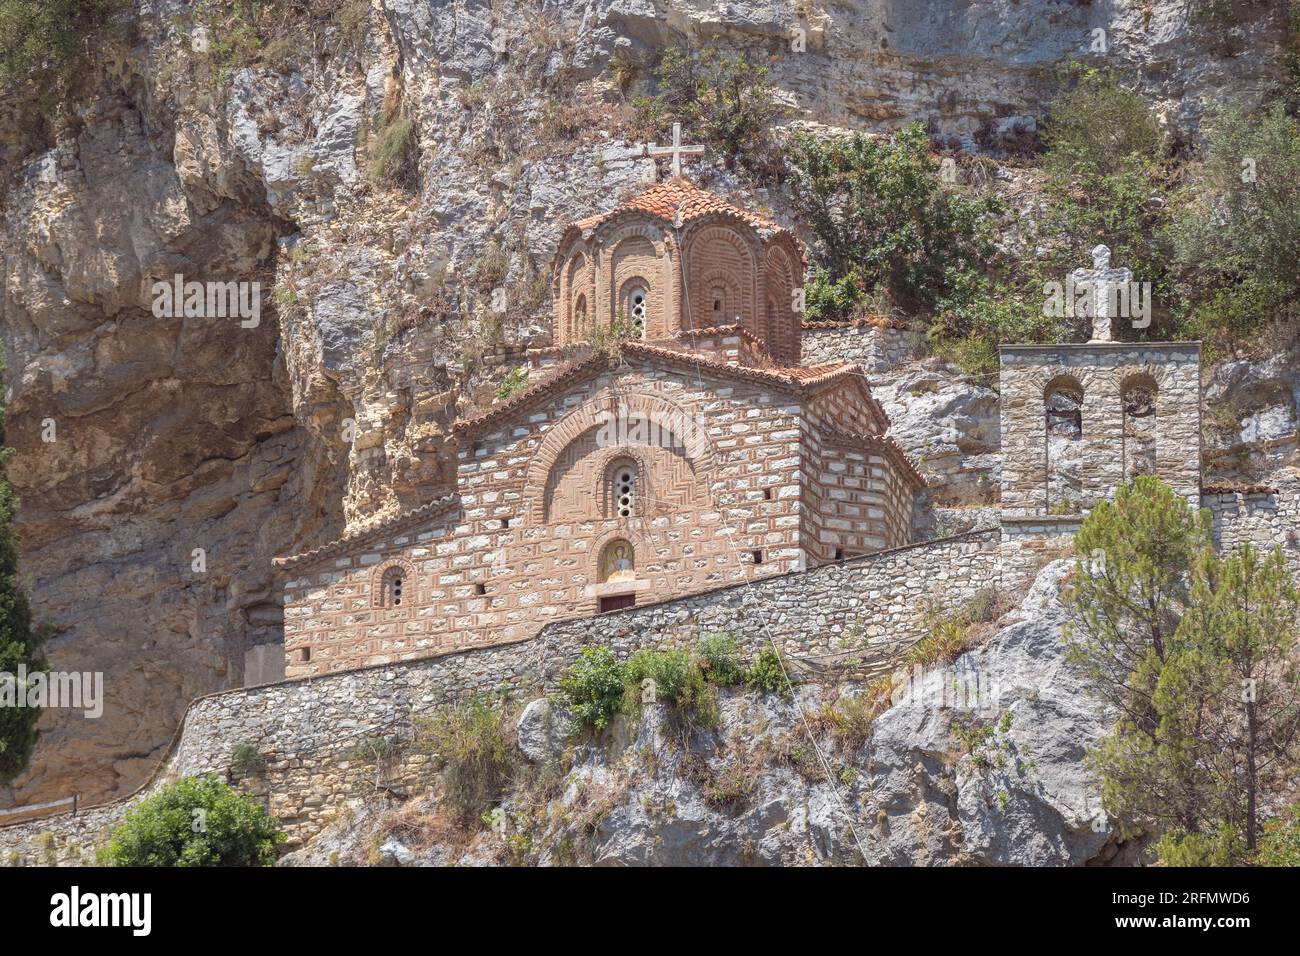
x: 605, y: 461
x: 1140, y: 433
x: 782, y: 327
x: 621, y: 261
x: 641, y: 548
x: 735, y: 298
x: 380, y: 571
x: 708, y: 250
x: 698, y: 447
x: 577, y: 284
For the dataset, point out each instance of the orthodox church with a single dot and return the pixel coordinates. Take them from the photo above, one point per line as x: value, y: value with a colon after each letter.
x: 668, y: 442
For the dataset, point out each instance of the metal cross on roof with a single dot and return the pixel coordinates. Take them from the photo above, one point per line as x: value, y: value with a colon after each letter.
x: 676, y: 150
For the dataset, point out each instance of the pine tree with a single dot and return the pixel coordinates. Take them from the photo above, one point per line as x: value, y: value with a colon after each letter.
x: 1198, y: 656
x: 21, y: 643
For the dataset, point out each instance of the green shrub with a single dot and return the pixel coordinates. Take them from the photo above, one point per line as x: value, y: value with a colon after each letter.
x: 592, y: 688
x: 721, y: 99
x: 246, y: 761
x: 719, y: 657
x: 44, y: 43
x: 196, y: 821
x: 1219, y: 847
x: 679, y: 681
x: 395, y: 156
x: 881, y: 220
x: 472, y: 743
x: 21, y: 641
x: 1237, y: 236
x: 767, y: 674
x: 1107, y: 182
x: 1280, y: 844
x: 516, y: 381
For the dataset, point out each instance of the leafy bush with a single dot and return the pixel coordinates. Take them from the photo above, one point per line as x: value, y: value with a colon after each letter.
x: 516, y: 381
x: 598, y: 685
x: 472, y: 742
x: 719, y: 657
x: 196, y: 821
x: 679, y: 680
x: 1107, y: 182
x: 1237, y: 236
x: 593, y: 687
x: 767, y: 674
x: 44, y: 43
x: 882, y: 220
x: 721, y: 99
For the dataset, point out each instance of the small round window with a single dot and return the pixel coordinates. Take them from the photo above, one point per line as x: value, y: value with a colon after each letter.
x: 625, y: 491
x: 637, y: 302
x: 393, y: 588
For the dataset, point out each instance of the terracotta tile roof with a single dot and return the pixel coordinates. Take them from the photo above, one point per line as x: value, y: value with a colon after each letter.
x: 388, y: 523
x: 882, y: 443
x: 797, y: 378
x: 565, y: 375
x: 721, y: 330
x: 665, y: 200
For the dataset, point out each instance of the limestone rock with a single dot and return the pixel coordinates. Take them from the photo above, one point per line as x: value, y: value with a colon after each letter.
x: 183, y: 434
x: 543, y: 730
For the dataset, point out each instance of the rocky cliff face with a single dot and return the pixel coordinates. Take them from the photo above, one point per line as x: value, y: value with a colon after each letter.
x: 988, y: 775
x: 189, y: 149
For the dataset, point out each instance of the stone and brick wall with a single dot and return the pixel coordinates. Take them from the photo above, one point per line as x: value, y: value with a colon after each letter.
x: 1102, y: 373
x: 858, y: 500
x: 876, y: 346
x: 314, y: 732
x: 732, y: 499
x: 1266, y: 518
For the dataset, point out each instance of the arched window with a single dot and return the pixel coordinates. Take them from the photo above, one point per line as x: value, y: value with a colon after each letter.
x: 622, y: 480
x: 635, y: 304
x: 1138, y: 399
x: 394, y: 584
x: 774, y: 345
x: 618, y: 561
x: 1063, y: 446
x: 718, y: 298
x: 579, y: 324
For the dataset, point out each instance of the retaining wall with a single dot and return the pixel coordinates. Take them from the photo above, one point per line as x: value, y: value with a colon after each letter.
x: 320, y: 736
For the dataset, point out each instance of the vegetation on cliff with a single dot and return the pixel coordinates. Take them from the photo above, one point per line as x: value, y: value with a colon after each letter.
x: 1198, y: 656
x: 21, y: 642
x: 196, y: 821
x: 43, y: 43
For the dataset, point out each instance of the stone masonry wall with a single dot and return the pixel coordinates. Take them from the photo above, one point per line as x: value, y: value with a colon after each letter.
x: 515, y: 557
x: 875, y: 348
x: 1266, y: 520
x: 1101, y: 372
x: 318, y: 735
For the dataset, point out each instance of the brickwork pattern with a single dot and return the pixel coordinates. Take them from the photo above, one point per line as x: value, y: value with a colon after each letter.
x: 724, y: 506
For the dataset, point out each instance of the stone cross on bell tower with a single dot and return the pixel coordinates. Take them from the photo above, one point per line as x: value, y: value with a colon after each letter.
x: 676, y: 150
x: 1099, y: 281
